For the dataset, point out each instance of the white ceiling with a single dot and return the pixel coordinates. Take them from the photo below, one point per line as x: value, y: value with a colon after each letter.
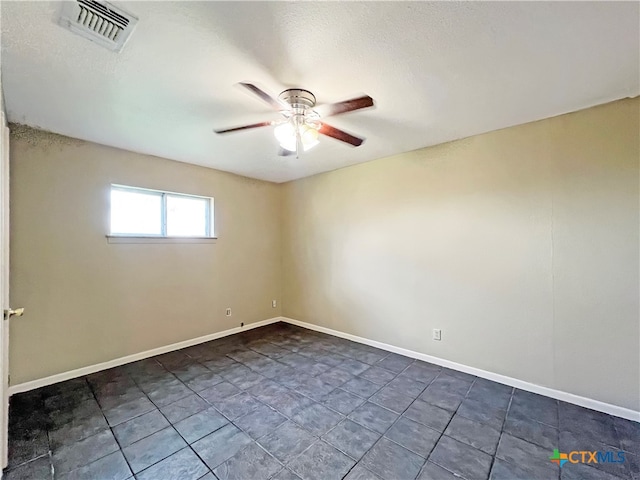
x: 437, y: 71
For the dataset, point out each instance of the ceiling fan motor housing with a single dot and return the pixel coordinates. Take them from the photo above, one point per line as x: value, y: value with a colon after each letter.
x: 298, y: 98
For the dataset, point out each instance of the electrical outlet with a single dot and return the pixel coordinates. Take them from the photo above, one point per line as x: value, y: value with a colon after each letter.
x: 273, y: 304
x: 228, y: 313
x: 437, y: 334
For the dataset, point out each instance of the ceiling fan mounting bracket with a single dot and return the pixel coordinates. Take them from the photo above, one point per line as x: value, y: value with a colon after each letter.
x: 298, y: 98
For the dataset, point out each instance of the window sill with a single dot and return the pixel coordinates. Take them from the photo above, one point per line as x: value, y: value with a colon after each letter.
x: 143, y: 239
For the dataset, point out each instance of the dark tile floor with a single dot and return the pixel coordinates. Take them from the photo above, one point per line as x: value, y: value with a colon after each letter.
x: 285, y: 403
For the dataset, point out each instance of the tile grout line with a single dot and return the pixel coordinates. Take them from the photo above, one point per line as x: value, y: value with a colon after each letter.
x: 466, y: 395
x: 399, y: 415
x: 504, y: 421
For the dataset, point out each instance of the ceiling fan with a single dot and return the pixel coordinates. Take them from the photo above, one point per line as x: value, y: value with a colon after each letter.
x: 302, y: 123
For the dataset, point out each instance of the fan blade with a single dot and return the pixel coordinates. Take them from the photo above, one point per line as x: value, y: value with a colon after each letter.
x: 265, y: 97
x: 283, y: 152
x: 244, y: 127
x: 346, y: 106
x: 341, y: 135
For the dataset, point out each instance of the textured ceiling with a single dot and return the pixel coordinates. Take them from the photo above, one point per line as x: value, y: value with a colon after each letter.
x: 438, y: 72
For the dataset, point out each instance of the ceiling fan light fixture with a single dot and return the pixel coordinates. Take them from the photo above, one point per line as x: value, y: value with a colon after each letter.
x: 286, y: 133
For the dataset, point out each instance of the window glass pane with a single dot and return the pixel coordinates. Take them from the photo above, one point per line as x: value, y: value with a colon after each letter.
x: 137, y: 213
x: 187, y: 216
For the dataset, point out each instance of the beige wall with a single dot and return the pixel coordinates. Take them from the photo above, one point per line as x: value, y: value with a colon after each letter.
x: 88, y: 301
x: 520, y: 244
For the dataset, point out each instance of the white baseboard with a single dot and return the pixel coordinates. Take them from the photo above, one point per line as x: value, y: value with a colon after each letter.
x: 79, y: 372
x: 496, y: 377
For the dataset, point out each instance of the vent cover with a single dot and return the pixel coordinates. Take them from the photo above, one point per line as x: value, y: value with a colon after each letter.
x: 100, y: 22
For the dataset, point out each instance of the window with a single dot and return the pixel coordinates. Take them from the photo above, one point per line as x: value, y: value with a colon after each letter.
x: 138, y: 212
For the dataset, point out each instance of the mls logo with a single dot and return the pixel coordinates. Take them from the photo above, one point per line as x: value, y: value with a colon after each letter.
x: 558, y: 458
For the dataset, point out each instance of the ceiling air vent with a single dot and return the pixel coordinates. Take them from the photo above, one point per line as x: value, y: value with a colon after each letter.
x: 100, y: 22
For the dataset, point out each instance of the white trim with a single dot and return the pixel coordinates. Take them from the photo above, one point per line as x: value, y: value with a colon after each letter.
x: 79, y: 372
x: 496, y: 377
x: 158, y: 239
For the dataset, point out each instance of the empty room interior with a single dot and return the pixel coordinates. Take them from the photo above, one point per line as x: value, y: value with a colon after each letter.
x: 320, y: 240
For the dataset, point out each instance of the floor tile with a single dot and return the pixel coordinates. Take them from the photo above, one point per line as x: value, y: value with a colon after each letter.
x: 335, y: 377
x: 190, y: 371
x: 157, y: 381
x: 428, y: 415
x: 218, y: 363
x: 287, y: 441
x: 237, y: 406
x: 354, y: 367
x: 137, y: 428
x: 351, y: 438
x: 251, y: 462
x: 360, y: 473
x: 111, y: 467
x: 204, y: 381
x: 342, y: 401
x: 580, y: 471
x: 70, y: 457
x: 588, y: 425
x: 431, y: 471
x: 392, y: 399
x: 408, y: 386
x: 321, y: 462
x: 169, y: 394
x: 478, y: 435
x: 390, y: 461
x: 153, y: 448
x: 570, y: 441
x: 502, y: 470
x: 527, y: 456
x: 196, y: 426
x: 208, y: 476
x: 480, y: 412
x: 373, y: 417
x: 377, y: 375
x: 129, y: 410
x: 421, y: 371
x: 414, y: 436
x: 289, y: 403
x: 317, y: 419
x: 461, y: 458
x: 221, y: 445
x: 219, y: 392
x: 116, y: 393
x: 270, y: 350
x: 489, y: 393
x: 39, y: 469
x: 532, y: 431
x: 537, y: 407
x: 285, y: 474
x: 183, y: 408
x: 314, y: 388
x: 33, y: 445
x: 361, y: 387
x: 260, y: 421
x: 66, y: 413
x: 446, y: 392
x: 628, y: 434
x: 183, y: 465
x: 394, y: 362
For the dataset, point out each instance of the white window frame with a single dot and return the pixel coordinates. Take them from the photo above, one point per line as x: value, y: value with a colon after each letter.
x: 163, y: 237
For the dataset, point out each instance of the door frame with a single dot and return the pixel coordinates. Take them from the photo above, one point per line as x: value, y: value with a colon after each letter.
x: 4, y: 286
